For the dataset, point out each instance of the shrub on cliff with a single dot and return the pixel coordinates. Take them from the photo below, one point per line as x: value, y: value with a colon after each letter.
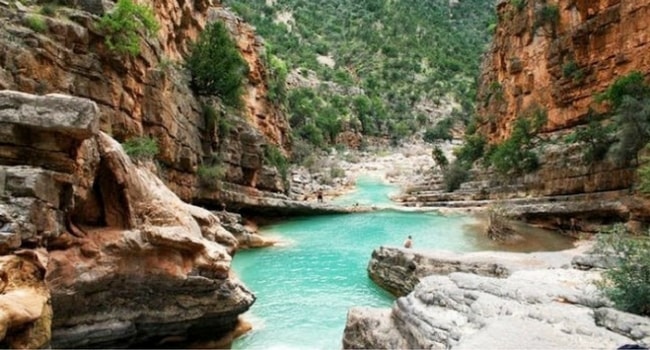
x: 454, y: 175
x: 216, y: 66
x: 596, y: 137
x: 123, y: 25
x: 627, y: 284
x: 141, y: 148
x: 274, y: 157
x: 629, y: 97
x: 515, y: 154
x: 442, y: 131
x: 211, y: 175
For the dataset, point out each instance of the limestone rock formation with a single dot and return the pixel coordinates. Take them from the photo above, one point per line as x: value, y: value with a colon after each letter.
x: 25, y: 304
x: 532, y: 304
x: 129, y: 263
x: 556, y: 56
x: 147, y: 94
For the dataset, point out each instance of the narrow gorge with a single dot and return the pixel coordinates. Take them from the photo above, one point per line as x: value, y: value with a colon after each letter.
x: 217, y: 173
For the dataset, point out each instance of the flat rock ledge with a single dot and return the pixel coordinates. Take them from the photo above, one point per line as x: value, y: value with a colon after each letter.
x: 490, y: 300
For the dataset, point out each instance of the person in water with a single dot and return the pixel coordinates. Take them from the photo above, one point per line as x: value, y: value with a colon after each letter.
x: 408, y: 243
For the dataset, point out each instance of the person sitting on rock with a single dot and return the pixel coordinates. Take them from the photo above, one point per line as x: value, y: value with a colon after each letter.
x: 408, y: 243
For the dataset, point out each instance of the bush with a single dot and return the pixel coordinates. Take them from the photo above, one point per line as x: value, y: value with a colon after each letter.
x: 36, y: 23
x: 216, y: 67
x: 627, y: 284
x: 572, y: 70
x: 442, y: 131
x: 630, y: 99
x: 211, y: 175
x: 632, y: 85
x: 336, y: 172
x: 122, y: 27
x: 454, y: 175
x: 141, y: 148
x: 273, y: 157
x: 644, y: 179
x: 518, y: 4
x: 472, y: 149
x: 596, y: 137
x: 547, y: 15
x: 439, y: 157
x: 515, y: 154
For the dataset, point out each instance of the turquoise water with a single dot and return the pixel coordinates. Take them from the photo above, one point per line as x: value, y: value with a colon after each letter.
x: 305, y: 287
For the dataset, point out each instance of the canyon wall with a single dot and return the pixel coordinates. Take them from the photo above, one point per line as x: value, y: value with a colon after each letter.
x: 96, y: 250
x: 559, y: 64
x: 148, y: 94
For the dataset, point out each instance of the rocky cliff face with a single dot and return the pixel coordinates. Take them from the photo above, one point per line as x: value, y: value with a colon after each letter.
x: 556, y: 56
x: 147, y: 94
x: 561, y: 63
x: 96, y: 249
x: 461, y: 303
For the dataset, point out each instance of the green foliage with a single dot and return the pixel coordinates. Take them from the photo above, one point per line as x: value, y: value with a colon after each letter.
x: 439, y: 157
x: 518, y: 4
x: 547, y: 15
x: 215, y: 65
x: 36, y: 23
x: 644, y: 178
x: 211, y: 175
x: 515, y: 154
x: 454, y: 175
x: 632, y: 85
x: 572, y: 70
x: 274, y: 157
x: 633, y: 121
x: 442, y: 131
x: 210, y: 116
x: 337, y: 172
x: 629, y: 97
x: 390, y: 57
x: 141, y: 148
x: 472, y: 149
x: 48, y: 9
x: 277, y: 79
x: 627, y: 284
x: 122, y: 27
x: 597, y: 139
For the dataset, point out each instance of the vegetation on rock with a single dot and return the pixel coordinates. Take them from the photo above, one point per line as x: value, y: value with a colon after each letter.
x: 627, y: 284
x: 216, y: 66
x: 122, y: 27
x: 274, y: 157
x: 141, y: 148
x: 515, y: 154
x: 377, y: 67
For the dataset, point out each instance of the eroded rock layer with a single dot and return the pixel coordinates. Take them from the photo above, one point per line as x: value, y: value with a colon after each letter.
x: 147, y: 94
x: 127, y: 261
x: 534, y: 304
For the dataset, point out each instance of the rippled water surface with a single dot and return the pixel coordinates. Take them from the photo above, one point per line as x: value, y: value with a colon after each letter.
x: 305, y: 287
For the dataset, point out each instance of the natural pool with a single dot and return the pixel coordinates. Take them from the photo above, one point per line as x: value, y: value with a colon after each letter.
x: 305, y: 286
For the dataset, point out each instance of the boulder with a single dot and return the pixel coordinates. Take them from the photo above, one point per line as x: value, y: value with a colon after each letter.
x: 531, y: 302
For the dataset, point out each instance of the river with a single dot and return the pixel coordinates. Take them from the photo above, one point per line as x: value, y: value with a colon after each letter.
x: 305, y: 286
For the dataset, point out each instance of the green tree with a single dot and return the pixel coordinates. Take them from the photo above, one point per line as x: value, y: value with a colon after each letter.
x: 122, y: 27
x: 515, y: 154
x: 597, y: 138
x: 216, y: 66
x: 439, y: 157
x: 627, y: 284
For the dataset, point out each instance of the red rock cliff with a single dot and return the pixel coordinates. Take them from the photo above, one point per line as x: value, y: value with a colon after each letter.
x: 559, y: 66
x: 147, y: 94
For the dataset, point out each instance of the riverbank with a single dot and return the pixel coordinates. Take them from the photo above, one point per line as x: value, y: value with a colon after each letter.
x: 491, y: 300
